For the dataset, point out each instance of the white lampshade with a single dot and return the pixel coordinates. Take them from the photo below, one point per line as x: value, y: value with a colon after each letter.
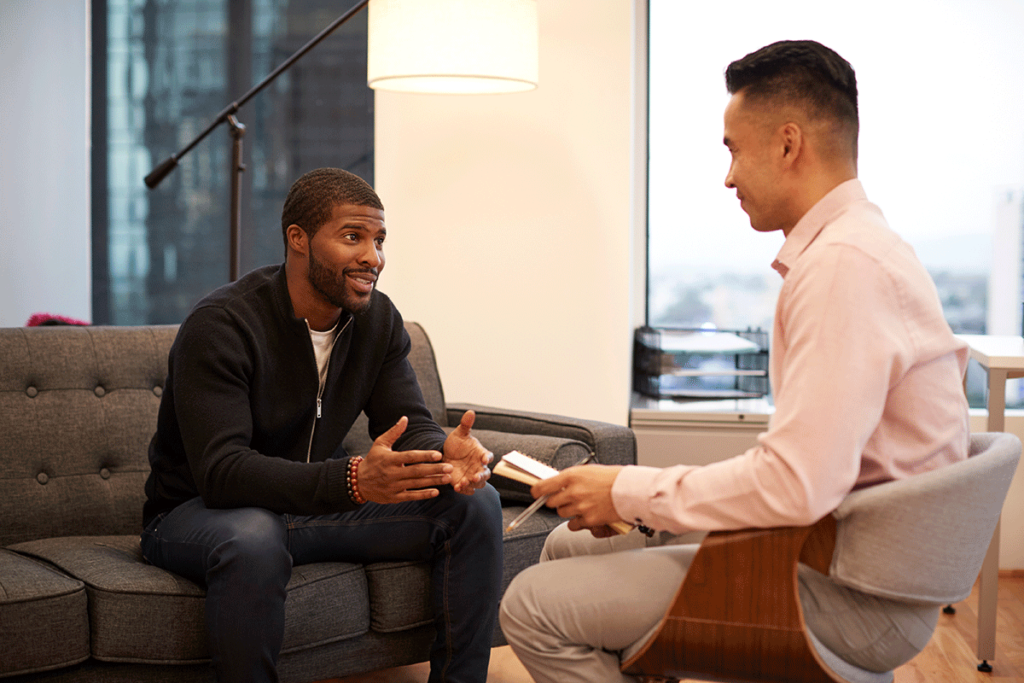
x: 452, y: 46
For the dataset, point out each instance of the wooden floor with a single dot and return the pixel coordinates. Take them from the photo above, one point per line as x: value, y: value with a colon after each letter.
x: 951, y: 654
x: 949, y: 657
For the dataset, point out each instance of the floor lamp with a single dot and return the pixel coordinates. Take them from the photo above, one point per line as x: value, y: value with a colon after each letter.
x: 425, y: 46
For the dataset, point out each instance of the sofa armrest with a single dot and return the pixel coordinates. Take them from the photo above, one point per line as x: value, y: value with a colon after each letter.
x: 611, y: 444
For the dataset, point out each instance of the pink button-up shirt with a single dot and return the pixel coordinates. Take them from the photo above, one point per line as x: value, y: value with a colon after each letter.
x: 866, y: 377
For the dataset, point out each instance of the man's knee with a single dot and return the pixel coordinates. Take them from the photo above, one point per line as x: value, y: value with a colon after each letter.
x: 487, y: 503
x: 254, y: 544
x: 480, y: 511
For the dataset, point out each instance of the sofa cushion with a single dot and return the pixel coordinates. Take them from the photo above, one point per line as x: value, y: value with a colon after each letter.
x: 44, y: 621
x: 78, y: 407
x: 140, y: 613
x: 399, y: 595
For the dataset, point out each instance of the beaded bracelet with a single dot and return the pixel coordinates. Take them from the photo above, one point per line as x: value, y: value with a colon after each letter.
x: 353, y: 480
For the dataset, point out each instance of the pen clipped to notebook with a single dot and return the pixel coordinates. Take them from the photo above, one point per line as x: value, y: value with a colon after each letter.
x: 525, y: 469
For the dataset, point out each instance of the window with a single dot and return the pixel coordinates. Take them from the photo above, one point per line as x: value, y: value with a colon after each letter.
x: 941, y: 152
x: 168, y: 69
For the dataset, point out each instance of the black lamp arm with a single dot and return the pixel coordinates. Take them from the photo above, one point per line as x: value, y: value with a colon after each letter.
x: 167, y: 165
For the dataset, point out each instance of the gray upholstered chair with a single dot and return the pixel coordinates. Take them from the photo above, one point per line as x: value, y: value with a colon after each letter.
x: 912, y: 545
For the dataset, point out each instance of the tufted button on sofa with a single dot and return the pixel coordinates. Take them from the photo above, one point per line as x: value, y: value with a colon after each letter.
x: 77, y: 600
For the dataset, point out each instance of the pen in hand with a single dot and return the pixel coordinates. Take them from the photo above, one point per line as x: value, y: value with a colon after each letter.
x: 535, y: 505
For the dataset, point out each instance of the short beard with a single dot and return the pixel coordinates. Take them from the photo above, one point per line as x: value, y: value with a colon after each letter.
x: 325, y: 281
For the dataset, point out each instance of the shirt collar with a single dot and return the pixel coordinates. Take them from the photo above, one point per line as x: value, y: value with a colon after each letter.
x: 814, y: 221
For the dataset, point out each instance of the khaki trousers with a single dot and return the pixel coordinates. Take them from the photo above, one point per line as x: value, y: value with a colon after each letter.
x: 569, y: 617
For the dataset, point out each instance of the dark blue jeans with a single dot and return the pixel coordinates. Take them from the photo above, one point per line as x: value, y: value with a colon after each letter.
x: 244, y: 558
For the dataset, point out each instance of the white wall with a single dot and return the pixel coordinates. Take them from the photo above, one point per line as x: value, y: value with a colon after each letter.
x: 509, y: 222
x: 45, y: 260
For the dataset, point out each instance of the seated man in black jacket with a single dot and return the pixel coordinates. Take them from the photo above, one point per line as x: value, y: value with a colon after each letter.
x: 249, y: 475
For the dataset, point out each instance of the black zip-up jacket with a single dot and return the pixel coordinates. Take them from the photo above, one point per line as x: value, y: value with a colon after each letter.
x: 238, y: 416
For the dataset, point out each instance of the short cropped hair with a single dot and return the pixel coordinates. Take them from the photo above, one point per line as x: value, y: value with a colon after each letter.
x: 311, y: 200
x: 805, y: 74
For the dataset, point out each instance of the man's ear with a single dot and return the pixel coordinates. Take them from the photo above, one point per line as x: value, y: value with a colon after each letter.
x: 298, y: 240
x: 792, y: 141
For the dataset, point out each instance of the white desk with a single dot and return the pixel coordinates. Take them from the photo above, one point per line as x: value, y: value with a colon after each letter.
x: 1003, y: 358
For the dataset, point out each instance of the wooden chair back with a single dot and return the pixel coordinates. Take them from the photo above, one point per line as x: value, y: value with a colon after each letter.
x: 736, y: 616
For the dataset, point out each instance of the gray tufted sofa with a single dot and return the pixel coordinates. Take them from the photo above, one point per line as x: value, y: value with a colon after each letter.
x: 77, y: 601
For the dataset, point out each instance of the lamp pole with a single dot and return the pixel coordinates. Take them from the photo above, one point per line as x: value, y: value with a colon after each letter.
x: 164, y: 168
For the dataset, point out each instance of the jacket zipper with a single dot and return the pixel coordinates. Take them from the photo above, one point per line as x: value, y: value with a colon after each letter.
x: 321, y: 385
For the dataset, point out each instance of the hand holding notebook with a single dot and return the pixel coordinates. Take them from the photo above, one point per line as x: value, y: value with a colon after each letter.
x: 524, y: 469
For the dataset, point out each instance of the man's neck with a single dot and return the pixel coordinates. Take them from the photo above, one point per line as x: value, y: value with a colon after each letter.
x: 319, y: 315
x: 814, y: 189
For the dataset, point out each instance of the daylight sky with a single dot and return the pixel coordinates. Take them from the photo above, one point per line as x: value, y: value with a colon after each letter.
x: 941, y: 104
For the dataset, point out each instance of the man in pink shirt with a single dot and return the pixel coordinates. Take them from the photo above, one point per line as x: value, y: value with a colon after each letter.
x: 866, y: 378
